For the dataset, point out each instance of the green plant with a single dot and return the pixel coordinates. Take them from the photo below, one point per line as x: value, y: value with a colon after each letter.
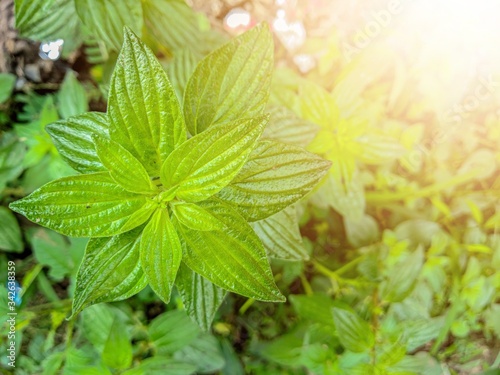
x: 162, y: 208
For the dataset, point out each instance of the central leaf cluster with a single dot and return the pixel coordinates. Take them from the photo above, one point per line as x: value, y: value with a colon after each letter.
x: 162, y: 208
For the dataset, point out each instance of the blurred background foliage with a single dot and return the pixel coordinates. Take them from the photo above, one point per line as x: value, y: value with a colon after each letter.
x: 396, y: 267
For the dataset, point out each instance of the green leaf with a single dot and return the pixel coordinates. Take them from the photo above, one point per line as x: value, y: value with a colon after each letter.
x: 162, y: 366
x: 110, y: 271
x: 173, y: 24
x: 73, y: 140
x: 10, y: 233
x: 172, y: 331
x: 232, y: 82
x: 123, y: 167
x: 145, y: 116
x: 7, y: 83
x: 354, y: 333
x: 284, y: 126
x: 97, y: 324
x: 318, y: 105
x: 234, y: 260
x: 52, y: 250
x: 204, y: 164
x: 275, y: 176
x: 195, y: 217
x: 280, y: 235
x: 361, y: 232
x: 402, y: 277
x: 72, y: 98
x: 317, y: 308
x: 117, y: 352
x: 204, y: 353
x: 200, y: 297
x: 11, y: 158
x: 106, y: 19
x: 44, y: 20
x: 90, y: 205
x: 161, y: 253
x: 180, y: 69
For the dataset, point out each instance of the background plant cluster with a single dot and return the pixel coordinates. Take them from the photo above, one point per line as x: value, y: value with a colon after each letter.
x: 395, y: 269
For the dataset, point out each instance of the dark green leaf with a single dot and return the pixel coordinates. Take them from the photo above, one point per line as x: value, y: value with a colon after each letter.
x: 204, y: 164
x: 161, y: 253
x: 280, y: 234
x: 90, y: 205
x: 275, y: 176
x: 235, y: 259
x: 232, y: 82
x: 200, y: 297
x: 145, y: 116
x: 10, y: 233
x: 73, y: 140
x: 110, y: 270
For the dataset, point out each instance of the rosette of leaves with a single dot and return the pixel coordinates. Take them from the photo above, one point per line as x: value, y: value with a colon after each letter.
x: 167, y: 193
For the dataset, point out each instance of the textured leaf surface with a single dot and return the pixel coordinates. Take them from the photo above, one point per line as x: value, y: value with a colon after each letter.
x: 275, y: 176
x: 284, y: 126
x: 232, y: 82
x: 10, y: 233
x: 280, y: 235
x: 200, y: 297
x: 72, y: 98
x: 90, y: 205
x: 161, y: 253
x: 234, y: 259
x: 110, y: 270
x: 145, y: 116
x: 195, y: 217
x: 123, y: 167
x: 354, y: 333
x: 207, y: 162
x: 73, y: 139
x: 106, y: 19
x: 44, y: 20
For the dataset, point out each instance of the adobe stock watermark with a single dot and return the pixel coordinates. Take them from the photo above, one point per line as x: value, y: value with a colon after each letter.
x: 13, y: 297
x: 455, y: 116
x: 380, y: 20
